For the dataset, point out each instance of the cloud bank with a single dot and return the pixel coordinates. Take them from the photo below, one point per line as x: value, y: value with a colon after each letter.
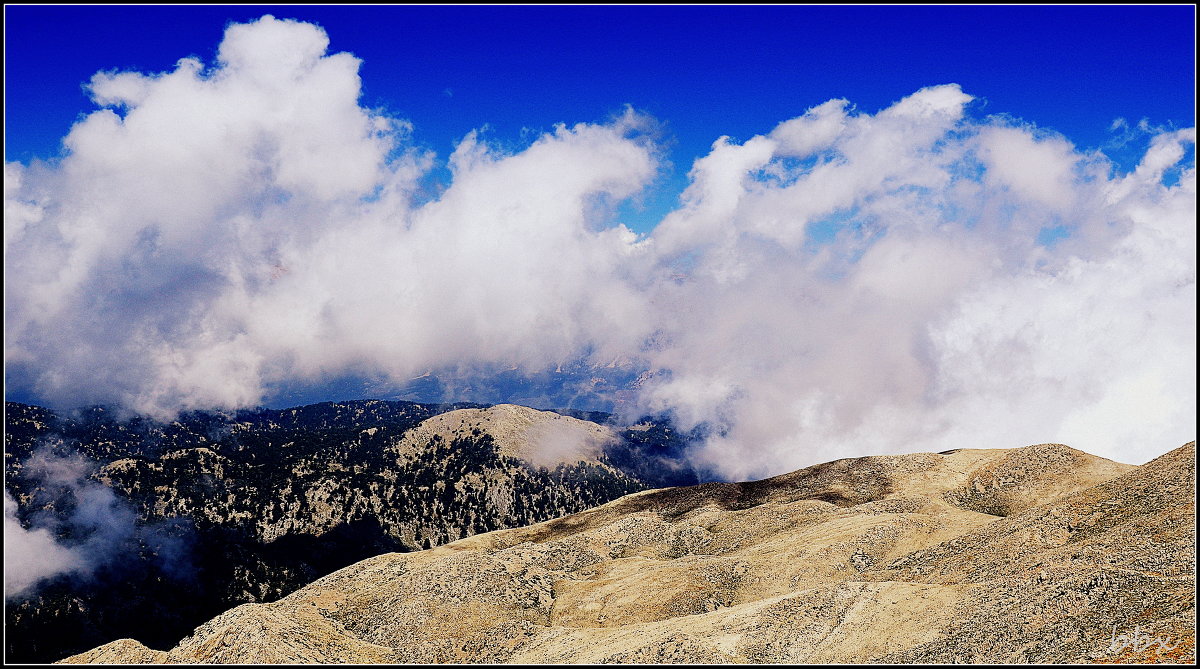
x: 846, y: 283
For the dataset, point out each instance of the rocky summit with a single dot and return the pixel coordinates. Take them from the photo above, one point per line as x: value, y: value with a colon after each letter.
x: 1039, y: 554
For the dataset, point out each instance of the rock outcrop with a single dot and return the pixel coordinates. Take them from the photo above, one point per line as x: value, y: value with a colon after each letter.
x: 1040, y: 554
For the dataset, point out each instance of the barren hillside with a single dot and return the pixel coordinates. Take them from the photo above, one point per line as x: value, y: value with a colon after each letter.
x: 1037, y: 554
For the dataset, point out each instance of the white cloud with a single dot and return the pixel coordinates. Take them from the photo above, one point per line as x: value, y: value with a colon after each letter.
x: 1036, y: 170
x: 66, y: 500
x: 845, y: 284
x: 32, y: 555
x: 930, y: 316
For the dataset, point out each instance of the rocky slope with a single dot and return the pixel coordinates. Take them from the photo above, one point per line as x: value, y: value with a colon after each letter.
x: 1038, y: 554
x: 224, y: 510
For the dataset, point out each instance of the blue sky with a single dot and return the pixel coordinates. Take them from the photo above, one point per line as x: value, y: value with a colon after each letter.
x: 703, y: 71
x: 924, y: 226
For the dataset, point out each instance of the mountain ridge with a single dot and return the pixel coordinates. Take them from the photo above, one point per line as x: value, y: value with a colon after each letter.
x: 221, y: 509
x: 876, y: 559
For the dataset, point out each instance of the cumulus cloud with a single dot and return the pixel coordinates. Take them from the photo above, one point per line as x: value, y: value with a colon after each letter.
x: 846, y: 283
x: 891, y: 291
x: 251, y: 223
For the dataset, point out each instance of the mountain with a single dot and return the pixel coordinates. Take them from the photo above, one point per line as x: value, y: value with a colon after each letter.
x: 210, y: 511
x: 1039, y: 554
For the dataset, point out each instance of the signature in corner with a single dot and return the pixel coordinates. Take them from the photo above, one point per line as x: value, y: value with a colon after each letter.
x: 1138, y: 641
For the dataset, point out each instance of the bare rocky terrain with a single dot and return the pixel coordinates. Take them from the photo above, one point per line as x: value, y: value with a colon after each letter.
x: 1040, y: 554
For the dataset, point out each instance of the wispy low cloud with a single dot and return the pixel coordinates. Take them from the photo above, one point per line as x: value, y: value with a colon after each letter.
x: 846, y: 283
x: 32, y: 555
x: 64, y: 500
x: 76, y: 526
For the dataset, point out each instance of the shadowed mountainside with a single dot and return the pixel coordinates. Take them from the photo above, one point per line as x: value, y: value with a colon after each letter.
x: 1038, y: 554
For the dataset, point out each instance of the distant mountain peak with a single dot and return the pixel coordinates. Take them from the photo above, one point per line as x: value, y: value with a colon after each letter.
x: 541, y: 438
